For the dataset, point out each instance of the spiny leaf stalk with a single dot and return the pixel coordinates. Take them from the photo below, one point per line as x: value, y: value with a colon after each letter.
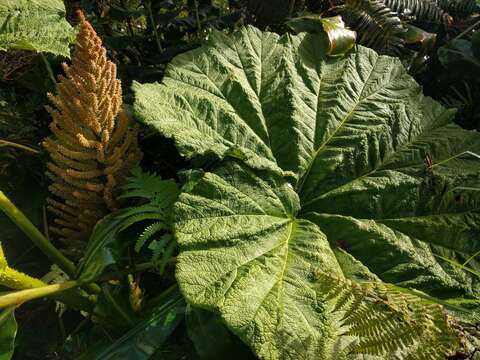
x: 14, y: 279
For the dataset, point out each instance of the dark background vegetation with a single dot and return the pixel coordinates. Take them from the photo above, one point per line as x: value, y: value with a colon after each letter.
x: 142, y: 36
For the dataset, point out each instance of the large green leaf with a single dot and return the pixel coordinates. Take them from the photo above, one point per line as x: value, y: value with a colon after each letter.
x: 382, y: 185
x: 37, y: 25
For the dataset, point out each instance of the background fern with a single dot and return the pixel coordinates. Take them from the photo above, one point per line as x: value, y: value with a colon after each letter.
x: 385, y: 25
x: 378, y: 320
x: 377, y: 25
x: 460, y: 8
x: 425, y: 13
x: 382, y: 24
x: 158, y: 196
x: 146, y: 220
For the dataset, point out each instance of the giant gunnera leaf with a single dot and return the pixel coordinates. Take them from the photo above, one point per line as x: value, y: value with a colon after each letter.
x: 37, y: 25
x: 340, y: 190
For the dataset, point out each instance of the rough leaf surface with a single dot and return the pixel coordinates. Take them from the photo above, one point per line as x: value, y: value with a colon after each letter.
x: 37, y: 25
x: 379, y: 184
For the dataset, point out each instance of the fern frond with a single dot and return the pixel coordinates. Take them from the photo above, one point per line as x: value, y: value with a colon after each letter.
x: 141, y: 209
x: 380, y: 320
x: 157, y: 197
x: 136, y: 218
x: 426, y: 13
x: 377, y: 25
x: 382, y: 24
x: 141, y: 184
x: 152, y: 212
x: 458, y: 8
x: 147, y: 234
x: 157, y: 246
x: 158, y: 192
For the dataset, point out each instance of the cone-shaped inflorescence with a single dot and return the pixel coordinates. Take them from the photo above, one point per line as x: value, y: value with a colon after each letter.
x: 94, y: 145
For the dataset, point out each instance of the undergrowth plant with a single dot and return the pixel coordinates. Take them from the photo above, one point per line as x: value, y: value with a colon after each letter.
x: 153, y: 198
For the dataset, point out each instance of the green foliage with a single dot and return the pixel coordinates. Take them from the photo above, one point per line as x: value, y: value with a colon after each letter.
x: 147, y: 336
x: 460, y: 8
x: 144, y: 35
x: 8, y: 330
x: 337, y: 175
x: 37, y: 25
x: 105, y: 248
x: 409, y: 29
x: 384, y: 25
x: 212, y: 339
x: 379, y: 27
x: 427, y: 13
x: 458, y: 82
x: 405, y: 28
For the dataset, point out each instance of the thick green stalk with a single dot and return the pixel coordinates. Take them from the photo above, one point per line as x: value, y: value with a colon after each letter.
x: 17, y: 280
x: 70, y: 297
x: 35, y: 235
x: 19, y: 297
x: 39, y: 240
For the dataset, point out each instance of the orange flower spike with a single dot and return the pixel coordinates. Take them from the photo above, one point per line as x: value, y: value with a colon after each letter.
x: 90, y: 128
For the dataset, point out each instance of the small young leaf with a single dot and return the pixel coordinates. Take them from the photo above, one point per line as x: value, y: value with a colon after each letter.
x: 339, y: 39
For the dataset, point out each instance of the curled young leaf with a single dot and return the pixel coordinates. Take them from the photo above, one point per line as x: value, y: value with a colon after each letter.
x: 338, y: 38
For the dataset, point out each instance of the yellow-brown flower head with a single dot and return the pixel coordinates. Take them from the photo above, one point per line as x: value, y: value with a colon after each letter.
x: 94, y: 146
